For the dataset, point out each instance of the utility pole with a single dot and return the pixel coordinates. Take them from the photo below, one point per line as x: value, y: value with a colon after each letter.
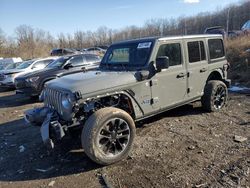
x: 228, y: 16
x: 185, y: 26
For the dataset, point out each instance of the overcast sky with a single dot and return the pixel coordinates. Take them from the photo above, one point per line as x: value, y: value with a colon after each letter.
x: 68, y: 16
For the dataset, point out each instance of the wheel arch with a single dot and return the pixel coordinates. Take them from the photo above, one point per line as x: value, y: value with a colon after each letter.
x: 135, y: 109
x: 215, y: 75
x: 218, y: 74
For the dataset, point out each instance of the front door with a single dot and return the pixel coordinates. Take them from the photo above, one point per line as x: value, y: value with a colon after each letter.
x: 169, y: 87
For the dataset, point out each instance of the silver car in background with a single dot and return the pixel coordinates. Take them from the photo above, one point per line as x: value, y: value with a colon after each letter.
x: 7, y: 77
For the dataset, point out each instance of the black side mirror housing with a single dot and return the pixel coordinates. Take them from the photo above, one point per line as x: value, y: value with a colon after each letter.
x: 67, y: 66
x: 162, y: 62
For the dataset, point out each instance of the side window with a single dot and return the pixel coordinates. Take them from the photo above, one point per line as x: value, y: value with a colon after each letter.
x: 77, y: 61
x: 42, y: 64
x: 172, y: 51
x: 196, y: 51
x: 216, y: 48
x: 92, y: 59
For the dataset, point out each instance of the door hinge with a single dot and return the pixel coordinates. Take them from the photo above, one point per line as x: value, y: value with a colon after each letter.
x: 153, y: 82
x: 150, y: 83
x: 151, y: 101
x: 188, y: 74
x: 188, y: 90
x: 154, y: 100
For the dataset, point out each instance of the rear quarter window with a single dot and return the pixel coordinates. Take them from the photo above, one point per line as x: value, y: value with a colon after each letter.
x: 196, y: 51
x: 216, y: 48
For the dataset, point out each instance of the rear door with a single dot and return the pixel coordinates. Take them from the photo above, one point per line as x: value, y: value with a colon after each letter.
x: 77, y: 62
x: 169, y: 87
x: 197, y: 67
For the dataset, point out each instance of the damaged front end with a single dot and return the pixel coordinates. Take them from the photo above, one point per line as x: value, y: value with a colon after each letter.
x: 51, y: 129
x: 55, y: 117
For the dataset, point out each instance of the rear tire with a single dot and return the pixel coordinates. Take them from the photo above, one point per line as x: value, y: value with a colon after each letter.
x: 108, y: 135
x: 215, y: 96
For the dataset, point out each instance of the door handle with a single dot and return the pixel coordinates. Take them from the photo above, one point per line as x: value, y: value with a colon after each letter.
x: 181, y: 75
x: 203, y: 70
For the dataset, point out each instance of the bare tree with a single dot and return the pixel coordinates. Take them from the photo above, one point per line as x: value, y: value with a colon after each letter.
x: 2, y: 41
x: 79, y: 38
x: 62, y: 42
x: 25, y: 41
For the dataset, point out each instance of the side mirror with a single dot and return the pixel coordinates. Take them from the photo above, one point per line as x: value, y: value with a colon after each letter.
x: 162, y: 62
x: 68, y: 65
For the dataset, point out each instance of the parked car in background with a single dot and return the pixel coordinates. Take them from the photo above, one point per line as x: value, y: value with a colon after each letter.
x: 7, y: 76
x: 215, y: 30
x: 6, y: 61
x: 96, y: 50
x: 32, y: 84
x: 104, y: 47
x: 246, y: 27
x: 12, y: 65
x: 62, y: 51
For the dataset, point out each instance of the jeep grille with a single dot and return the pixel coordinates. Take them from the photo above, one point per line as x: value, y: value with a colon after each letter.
x: 53, y: 99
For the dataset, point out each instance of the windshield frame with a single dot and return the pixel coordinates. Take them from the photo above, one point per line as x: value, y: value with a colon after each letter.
x: 127, y: 65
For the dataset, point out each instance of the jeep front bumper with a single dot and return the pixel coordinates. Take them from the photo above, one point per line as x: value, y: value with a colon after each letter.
x: 51, y: 128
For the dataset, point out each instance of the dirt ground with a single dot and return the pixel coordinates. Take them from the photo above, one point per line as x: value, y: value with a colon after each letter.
x: 185, y: 147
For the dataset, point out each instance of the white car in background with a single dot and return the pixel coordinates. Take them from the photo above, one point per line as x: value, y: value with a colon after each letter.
x: 7, y: 77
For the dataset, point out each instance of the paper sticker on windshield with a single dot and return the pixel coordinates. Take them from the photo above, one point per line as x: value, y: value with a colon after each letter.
x: 144, y: 45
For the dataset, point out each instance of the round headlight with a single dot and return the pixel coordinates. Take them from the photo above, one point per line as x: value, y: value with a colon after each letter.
x: 66, y: 102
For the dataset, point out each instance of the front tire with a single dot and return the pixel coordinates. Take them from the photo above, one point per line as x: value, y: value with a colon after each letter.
x: 108, y: 135
x: 215, y: 96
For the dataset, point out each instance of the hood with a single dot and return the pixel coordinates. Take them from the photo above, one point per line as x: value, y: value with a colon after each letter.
x: 11, y: 71
x: 93, y: 81
x: 39, y: 72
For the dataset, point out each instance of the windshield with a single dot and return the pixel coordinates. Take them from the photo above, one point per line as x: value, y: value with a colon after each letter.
x: 58, y: 63
x: 128, y: 54
x: 12, y: 66
x: 24, y: 65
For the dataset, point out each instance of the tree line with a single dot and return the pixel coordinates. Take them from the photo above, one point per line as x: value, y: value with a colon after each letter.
x: 29, y: 42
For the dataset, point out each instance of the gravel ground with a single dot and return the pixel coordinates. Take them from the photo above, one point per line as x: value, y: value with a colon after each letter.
x: 185, y: 147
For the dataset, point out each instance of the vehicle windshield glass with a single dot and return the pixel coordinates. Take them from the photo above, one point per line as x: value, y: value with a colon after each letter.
x: 10, y: 66
x: 24, y: 65
x: 128, y: 54
x: 58, y: 63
